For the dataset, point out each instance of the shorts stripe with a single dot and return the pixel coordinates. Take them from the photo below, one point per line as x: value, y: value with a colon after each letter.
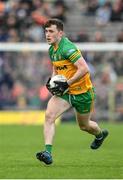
x: 93, y: 97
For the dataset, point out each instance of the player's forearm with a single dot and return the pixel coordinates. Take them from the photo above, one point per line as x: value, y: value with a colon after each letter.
x: 79, y: 73
x: 54, y: 72
x: 82, y: 69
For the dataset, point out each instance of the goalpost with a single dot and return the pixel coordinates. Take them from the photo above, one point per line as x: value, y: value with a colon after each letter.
x: 44, y: 46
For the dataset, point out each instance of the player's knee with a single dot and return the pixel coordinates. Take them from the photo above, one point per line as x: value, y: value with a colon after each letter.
x: 84, y: 128
x: 49, y: 116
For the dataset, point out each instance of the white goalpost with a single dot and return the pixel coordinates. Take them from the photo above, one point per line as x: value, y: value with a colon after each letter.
x: 44, y: 47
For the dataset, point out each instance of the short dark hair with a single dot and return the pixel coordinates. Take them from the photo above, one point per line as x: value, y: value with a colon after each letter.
x: 59, y: 24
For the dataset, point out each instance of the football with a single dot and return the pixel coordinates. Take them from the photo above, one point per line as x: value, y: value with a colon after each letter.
x: 57, y: 78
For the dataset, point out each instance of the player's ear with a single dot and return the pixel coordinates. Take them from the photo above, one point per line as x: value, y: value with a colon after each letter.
x: 61, y: 33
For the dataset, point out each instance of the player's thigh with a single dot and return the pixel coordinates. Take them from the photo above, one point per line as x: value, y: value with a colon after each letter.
x: 83, y: 119
x: 83, y: 105
x: 56, y: 106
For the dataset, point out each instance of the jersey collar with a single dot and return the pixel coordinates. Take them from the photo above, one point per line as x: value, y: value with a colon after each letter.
x: 60, y: 43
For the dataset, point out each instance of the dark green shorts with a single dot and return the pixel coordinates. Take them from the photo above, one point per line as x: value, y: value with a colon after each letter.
x: 83, y: 103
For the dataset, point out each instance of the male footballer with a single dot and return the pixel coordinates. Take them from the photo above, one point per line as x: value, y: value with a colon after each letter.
x: 67, y: 60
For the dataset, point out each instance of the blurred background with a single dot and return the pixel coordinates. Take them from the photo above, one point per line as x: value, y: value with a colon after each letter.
x: 23, y: 73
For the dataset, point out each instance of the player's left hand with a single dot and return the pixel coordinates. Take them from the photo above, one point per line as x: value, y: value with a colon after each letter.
x: 61, y: 88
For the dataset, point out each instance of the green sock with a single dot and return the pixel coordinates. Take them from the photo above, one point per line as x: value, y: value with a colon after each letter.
x: 48, y: 147
x: 99, y: 136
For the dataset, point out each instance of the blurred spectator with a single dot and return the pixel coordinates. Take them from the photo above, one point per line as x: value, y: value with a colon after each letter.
x: 89, y: 57
x: 11, y: 21
x: 60, y: 10
x: 92, y: 6
x: 99, y: 37
x: 6, y: 78
x: 117, y: 61
x: 103, y: 84
x: 6, y: 86
x: 82, y: 36
x: 103, y: 14
x: 2, y: 6
x: 33, y: 98
x: 44, y: 96
x: 35, y: 33
x: 3, y: 36
x: 38, y: 17
x: 19, y: 95
x: 116, y: 13
x: 102, y: 2
x: 13, y: 35
x: 120, y: 37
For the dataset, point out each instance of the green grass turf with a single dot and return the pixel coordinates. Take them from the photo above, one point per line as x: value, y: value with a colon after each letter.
x: 71, y: 153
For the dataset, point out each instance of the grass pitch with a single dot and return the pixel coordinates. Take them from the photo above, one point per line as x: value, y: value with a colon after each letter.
x: 71, y: 153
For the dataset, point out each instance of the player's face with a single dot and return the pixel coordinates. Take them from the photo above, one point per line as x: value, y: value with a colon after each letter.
x: 53, y: 35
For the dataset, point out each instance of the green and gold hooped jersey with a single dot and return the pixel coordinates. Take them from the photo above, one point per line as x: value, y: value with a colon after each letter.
x: 63, y: 59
